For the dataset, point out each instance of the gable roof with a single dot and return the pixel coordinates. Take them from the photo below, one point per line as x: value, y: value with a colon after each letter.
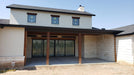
x: 127, y: 30
x: 4, y: 21
x: 46, y: 9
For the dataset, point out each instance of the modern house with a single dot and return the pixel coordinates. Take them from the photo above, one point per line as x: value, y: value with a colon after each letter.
x: 43, y: 32
x: 125, y: 44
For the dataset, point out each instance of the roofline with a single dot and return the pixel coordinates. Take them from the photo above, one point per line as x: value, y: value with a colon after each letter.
x: 50, y: 11
x: 125, y: 34
x: 92, y: 30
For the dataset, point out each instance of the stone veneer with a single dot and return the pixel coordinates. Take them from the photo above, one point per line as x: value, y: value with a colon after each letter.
x: 5, y: 62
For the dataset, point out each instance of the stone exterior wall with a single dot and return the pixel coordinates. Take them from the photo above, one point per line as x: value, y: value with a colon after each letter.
x: 105, y: 47
x: 6, y: 62
x: 29, y: 48
x: 125, y: 47
x: 90, y: 46
x: 11, y: 46
x: 99, y: 46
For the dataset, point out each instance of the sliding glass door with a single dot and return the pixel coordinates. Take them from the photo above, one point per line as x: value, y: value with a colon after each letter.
x: 57, y: 48
x: 37, y: 48
x: 51, y: 49
x: 60, y: 46
x: 69, y: 48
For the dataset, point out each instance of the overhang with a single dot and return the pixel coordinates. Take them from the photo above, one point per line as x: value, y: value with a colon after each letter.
x: 33, y: 28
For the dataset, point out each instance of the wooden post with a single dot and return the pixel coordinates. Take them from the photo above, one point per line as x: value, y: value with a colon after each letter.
x: 115, y: 48
x: 47, y: 53
x: 79, y: 47
x: 25, y: 46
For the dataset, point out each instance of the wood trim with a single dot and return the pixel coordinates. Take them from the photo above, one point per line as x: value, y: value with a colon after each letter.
x: 79, y: 47
x: 25, y: 46
x: 53, y: 38
x: 32, y: 13
x: 115, y: 54
x: 47, y: 53
x: 76, y: 17
x: 55, y: 15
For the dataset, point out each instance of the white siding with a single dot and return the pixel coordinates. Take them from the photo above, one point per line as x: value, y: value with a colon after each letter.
x: 125, y: 49
x: 44, y: 19
x: 11, y: 41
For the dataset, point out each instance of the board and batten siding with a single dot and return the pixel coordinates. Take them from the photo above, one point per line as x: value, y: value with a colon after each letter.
x: 125, y: 49
x: 18, y: 16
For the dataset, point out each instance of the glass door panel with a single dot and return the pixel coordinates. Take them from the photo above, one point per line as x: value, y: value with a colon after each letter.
x: 37, y: 48
x: 60, y: 46
x: 45, y: 47
x: 69, y: 48
x: 51, y: 51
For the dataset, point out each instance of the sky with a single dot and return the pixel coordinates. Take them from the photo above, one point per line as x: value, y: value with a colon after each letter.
x: 109, y: 13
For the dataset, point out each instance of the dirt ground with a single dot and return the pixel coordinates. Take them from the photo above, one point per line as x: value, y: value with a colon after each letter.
x: 84, y: 69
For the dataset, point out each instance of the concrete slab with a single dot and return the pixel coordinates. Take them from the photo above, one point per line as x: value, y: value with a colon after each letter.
x: 62, y: 61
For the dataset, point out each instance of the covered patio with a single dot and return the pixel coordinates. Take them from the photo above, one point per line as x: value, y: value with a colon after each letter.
x: 63, y: 61
x: 90, y: 45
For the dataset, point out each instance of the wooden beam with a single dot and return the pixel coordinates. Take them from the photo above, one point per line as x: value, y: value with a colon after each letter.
x: 44, y: 38
x: 115, y: 54
x: 47, y: 53
x: 79, y: 47
x: 25, y: 46
x: 52, y: 33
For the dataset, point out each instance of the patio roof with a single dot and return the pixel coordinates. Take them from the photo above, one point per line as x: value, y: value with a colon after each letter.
x: 62, y: 29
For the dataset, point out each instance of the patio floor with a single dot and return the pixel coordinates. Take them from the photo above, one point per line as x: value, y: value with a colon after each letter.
x: 62, y: 60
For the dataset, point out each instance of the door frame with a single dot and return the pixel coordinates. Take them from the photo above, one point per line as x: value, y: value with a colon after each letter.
x: 54, y: 48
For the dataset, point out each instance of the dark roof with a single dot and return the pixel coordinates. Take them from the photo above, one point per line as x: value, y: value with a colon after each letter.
x: 95, y: 28
x: 62, y: 30
x: 26, y: 7
x: 127, y: 30
x: 4, y: 21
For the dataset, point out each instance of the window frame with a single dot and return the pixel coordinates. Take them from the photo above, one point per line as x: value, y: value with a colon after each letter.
x: 78, y: 21
x: 57, y: 16
x: 31, y: 14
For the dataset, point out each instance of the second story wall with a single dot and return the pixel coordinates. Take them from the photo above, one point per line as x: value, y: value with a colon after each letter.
x: 18, y: 16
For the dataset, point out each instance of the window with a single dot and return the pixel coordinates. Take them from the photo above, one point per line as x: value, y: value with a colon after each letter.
x: 54, y: 19
x: 75, y: 20
x: 31, y: 17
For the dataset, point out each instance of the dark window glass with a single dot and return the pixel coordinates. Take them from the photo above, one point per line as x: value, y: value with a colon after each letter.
x: 75, y: 21
x: 31, y: 18
x: 55, y: 20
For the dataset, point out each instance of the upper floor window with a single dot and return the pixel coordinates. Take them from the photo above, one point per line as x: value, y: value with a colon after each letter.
x: 31, y: 17
x: 55, y: 19
x: 75, y: 20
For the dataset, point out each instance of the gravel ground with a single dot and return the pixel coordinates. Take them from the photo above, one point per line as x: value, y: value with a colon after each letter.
x: 84, y: 69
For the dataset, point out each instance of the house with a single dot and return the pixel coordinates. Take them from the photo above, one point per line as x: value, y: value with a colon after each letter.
x: 48, y: 32
x: 125, y: 44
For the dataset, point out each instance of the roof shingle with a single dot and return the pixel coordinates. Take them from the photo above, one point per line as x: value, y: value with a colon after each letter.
x: 26, y: 7
x: 4, y: 21
x: 126, y: 30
